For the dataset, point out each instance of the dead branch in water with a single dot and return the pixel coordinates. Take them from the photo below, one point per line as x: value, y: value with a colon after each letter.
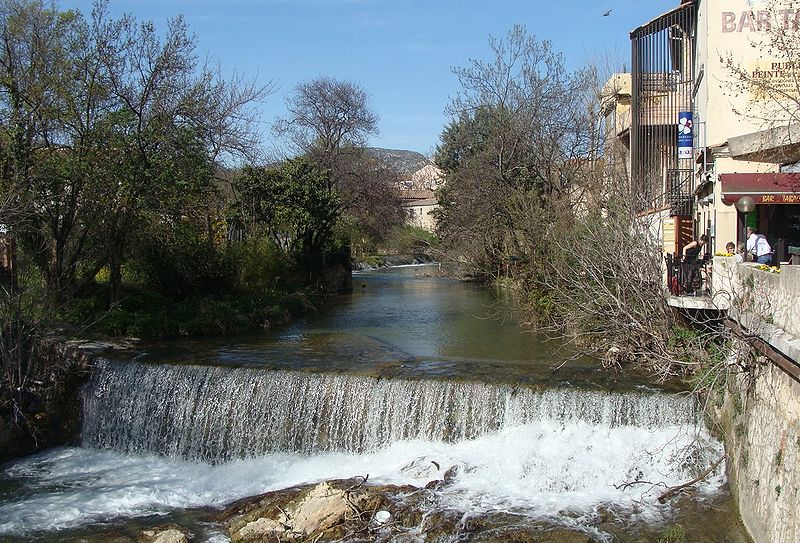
x: 671, y: 491
x: 627, y: 485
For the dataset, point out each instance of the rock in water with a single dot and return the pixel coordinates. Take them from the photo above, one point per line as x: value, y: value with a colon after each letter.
x: 171, y: 535
x: 382, y: 517
x: 262, y: 528
x: 323, y: 508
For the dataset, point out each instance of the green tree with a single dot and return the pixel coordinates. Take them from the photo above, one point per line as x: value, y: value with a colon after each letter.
x: 293, y: 205
x: 174, y: 122
x: 49, y: 106
x: 105, y: 125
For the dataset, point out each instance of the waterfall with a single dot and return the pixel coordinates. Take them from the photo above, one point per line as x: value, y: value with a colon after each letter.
x: 219, y: 413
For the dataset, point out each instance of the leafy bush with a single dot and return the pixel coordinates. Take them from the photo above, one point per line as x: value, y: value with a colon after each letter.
x: 178, y: 260
x: 144, y: 313
x: 259, y: 265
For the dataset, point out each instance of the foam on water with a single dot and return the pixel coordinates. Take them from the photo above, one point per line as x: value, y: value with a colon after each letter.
x: 540, y: 468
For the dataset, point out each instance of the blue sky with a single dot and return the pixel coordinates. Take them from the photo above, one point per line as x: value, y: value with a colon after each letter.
x: 400, y: 51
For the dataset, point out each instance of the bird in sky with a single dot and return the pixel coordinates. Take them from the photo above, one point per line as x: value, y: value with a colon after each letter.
x: 607, y: 13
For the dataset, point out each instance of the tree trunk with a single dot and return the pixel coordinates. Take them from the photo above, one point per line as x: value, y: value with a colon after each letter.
x: 115, y: 282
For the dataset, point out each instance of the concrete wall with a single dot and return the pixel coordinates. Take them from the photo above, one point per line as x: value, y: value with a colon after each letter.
x: 760, y: 419
x: 773, y: 299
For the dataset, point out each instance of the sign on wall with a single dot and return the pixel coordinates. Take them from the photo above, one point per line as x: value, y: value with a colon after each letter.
x: 685, y: 141
x: 774, y: 80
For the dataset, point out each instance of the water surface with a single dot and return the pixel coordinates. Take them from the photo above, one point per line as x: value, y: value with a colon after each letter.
x: 403, y: 379
x: 407, y: 322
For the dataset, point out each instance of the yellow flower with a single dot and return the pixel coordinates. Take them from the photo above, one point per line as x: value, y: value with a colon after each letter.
x: 768, y: 269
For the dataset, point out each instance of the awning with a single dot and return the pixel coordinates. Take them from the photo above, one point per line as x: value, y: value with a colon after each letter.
x: 763, y: 188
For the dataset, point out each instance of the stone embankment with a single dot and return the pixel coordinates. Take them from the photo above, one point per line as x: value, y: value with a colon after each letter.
x: 760, y: 419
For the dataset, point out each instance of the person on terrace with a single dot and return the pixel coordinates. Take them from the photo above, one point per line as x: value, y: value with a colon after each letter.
x: 692, y: 250
x: 758, y: 246
x: 735, y: 250
x: 691, y: 253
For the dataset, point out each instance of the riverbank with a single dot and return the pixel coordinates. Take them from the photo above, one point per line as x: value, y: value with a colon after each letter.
x: 146, y: 314
x: 378, y: 261
x: 45, y: 412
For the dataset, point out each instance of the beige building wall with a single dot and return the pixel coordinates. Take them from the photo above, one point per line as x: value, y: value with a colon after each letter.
x: 421, y: 215
x: 731, y: 29
x: 739, y: 30
x: 615, y: 104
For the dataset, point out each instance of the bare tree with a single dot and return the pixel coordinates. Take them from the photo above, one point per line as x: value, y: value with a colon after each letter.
x: 328, y: 120
x: 521, y: 136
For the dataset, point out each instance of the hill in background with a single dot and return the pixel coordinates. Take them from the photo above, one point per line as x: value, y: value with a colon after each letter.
x: 405, y: 162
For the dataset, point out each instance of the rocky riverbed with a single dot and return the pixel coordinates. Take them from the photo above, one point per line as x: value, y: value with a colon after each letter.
x: 355, y: 511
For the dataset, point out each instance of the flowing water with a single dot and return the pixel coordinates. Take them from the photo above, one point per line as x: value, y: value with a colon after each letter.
x: 401, y: 380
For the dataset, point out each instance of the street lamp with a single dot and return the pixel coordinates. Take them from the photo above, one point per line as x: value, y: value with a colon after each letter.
x: 745, y: 205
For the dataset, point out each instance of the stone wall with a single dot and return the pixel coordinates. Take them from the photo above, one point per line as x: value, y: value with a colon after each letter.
x: 760, y: 419
x: 773, y: 297
x: 48, y: 412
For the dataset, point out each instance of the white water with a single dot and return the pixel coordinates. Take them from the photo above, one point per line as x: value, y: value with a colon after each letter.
x: 159, y: 438
x: 220, y: 414
x: 540, y: 468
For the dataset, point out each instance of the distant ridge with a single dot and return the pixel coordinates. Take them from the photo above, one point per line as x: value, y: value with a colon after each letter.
x: 405, y: 162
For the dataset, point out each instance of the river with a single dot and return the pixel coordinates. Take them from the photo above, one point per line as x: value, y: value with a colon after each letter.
x: 408, y: 372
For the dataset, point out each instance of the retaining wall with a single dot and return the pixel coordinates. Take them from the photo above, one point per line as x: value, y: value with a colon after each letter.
x: 760, y: 418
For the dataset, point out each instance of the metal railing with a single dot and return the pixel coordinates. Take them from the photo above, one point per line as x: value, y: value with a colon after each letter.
x: 679, y: 193
x: 686, y: 277
x: 662, y: 76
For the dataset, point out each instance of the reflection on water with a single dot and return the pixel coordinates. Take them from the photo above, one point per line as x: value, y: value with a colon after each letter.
x: 404, y: 322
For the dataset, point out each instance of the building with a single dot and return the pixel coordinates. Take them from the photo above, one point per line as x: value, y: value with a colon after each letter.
x: 743, y: 147
x: 418, y: 197
x: 714, y: 102
x: 662, y: 84
x: 420, y: 206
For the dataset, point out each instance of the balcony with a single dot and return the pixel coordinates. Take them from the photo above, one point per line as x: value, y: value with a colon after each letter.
x: 764, y: 303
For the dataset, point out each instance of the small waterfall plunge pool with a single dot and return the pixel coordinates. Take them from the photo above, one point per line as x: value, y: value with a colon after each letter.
x: 405, y: 378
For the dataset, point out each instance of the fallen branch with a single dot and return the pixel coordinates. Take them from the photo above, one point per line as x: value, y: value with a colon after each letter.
x: 627, y: 485
x: 671, y: 491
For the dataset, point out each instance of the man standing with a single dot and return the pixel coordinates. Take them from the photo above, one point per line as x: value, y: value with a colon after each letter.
x: 758, y: 246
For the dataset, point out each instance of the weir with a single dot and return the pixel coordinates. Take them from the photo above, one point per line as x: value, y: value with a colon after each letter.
x: 217, y: 414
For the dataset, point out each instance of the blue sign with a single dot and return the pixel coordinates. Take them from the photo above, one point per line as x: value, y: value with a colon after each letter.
x: 685, y: 139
